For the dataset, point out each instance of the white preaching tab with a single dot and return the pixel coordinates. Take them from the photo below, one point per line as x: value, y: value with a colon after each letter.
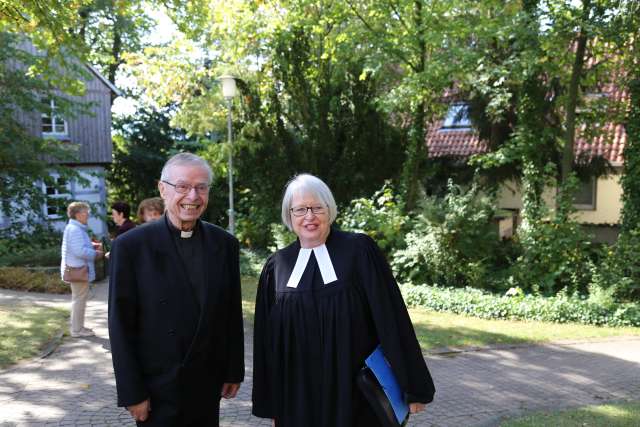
x: 324, y: 262
x: 186, y: 234
x: 298, y: 269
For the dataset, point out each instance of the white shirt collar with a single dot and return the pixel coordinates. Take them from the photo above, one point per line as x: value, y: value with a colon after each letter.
x: 324, y: 262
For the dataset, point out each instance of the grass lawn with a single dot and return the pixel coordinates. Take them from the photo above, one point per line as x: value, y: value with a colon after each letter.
x: 435, y: 330
x: 25, y: 330
x: 611, y: 415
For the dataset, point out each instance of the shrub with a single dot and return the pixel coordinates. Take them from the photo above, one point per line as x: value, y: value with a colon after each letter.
x: 454, y: 242
x: 40, y: 247
x: 281, y: 236
x: 22, y: 279
x: 618, y: 273
x: 555, y: 255
x: 559, y: 309
x: 251, y: 262
x: 381, y: 217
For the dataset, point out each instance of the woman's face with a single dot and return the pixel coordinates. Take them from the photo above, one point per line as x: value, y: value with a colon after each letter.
x: 312, y: 229
x: 82, y: 217
x: 151, y: 215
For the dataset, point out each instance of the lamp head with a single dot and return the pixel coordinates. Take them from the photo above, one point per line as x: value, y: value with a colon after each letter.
x: 229, y: 88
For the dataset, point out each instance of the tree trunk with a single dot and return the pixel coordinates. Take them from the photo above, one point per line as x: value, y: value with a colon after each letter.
x: 572, y: 99
x: 417, y: 146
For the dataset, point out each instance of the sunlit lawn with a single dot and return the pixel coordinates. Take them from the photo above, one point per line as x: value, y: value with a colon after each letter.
x: 611, y: 415
x: 25, y: 330
x: 436, y: 330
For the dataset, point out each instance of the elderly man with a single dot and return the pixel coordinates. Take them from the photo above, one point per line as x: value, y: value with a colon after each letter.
x: 175, y: 316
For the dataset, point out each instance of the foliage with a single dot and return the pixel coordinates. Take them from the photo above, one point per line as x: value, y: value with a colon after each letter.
x: 630, y: 180
x: 555, y: 252
x: 38, y: 246
x: 618, y: 274
x: 381, y: 217
x: 22, y: 279
x: 281, y: 236
x: 251, y: 262
x: 142, y: 144
x: 453, y: 241
x: 25, y: 330
x: 111, y: 29
x: 33, y: 257
x: 561, y: 308
x: 307, y: 104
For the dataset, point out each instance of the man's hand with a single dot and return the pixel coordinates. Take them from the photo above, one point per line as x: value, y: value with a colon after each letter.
x: 140, y: 411
x: 414, y: 408
x: 229, y: 390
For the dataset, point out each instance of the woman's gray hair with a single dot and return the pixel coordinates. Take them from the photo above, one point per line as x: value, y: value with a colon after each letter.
x: 306, y: 184
x: 75, y: 208
x: 185, y: 159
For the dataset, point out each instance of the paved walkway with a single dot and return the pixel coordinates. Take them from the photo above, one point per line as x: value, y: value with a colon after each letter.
x: 74, y: 386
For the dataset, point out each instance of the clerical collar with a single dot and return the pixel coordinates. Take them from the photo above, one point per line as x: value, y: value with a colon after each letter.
x: 179, y: 233
x: 324, y: 262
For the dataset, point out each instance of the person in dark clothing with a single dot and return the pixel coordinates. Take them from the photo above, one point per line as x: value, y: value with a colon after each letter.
x: 120, y: 214
x: 324, y: 303
x: 175, y: 314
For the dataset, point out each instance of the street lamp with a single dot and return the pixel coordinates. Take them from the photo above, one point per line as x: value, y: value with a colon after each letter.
x: 229, y: 91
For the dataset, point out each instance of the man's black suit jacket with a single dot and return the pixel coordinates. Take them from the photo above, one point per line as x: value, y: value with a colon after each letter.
x: 148, y: 307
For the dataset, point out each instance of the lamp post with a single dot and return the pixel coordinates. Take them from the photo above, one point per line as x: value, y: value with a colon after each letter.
x: 229, y: 91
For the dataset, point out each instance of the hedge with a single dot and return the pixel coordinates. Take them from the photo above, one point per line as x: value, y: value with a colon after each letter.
x: 22, y: 279
x: 558, y: 309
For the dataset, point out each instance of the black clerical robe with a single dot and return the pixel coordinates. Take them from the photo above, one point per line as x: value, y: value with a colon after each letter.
x: 310, y: 341
x: 168, y: 343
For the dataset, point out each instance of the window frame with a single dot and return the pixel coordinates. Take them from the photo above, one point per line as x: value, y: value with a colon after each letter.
x: 451, y: 122
x: 593, y: 182
x: 56, y: 194
x: 56, y: 121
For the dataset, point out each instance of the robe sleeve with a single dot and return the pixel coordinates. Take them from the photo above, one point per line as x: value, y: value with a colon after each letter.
x: 392, y: 322
x: 123, y: 315
x: 234, y: 372
x: 262, y: 396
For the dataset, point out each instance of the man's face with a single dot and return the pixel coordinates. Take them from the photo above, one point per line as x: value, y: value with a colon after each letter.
x: 184, y: 209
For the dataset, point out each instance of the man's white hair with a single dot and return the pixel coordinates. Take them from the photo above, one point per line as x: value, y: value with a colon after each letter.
x: 185, y: 159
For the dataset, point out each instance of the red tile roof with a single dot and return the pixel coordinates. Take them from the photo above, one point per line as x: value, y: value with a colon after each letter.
x: 465, y: 142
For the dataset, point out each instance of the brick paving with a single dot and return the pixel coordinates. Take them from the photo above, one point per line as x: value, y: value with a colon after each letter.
x: 74, y: 386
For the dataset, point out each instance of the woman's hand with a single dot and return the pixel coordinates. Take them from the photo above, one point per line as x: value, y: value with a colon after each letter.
x: 414, y: 408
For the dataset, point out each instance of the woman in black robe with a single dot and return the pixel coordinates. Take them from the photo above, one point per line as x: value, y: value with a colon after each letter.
x: 324, y: 303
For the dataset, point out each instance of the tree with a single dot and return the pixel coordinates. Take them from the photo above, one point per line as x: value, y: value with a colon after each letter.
x: 143, y: 142
x: 307, y: 102
x: 112, y: 29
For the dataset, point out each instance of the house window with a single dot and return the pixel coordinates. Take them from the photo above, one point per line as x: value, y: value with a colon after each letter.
x: 585, y: 195
x: 457, y: 117
x: 52, y: 123
x: 57, y: 191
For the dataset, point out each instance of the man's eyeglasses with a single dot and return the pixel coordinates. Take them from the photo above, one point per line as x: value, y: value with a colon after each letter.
x: 184, y: 188
x: 302, y: 210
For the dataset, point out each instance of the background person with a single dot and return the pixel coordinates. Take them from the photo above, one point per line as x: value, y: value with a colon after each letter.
x: 324, y: 303
x: 78, y: 251
x: 150, y: 209
x: 120, y: 214
x: 175, y: 313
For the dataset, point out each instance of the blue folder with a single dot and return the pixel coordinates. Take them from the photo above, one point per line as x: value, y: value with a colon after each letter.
x: 385, y: 376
